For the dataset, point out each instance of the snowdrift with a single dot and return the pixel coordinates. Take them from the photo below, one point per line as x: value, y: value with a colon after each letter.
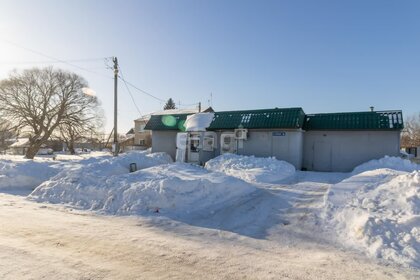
x: 110, y: 165
x: 173, y: 189
x: 250, y: 168
x: 395, y: 163
x: 24, y: 174
x: 378, y: 211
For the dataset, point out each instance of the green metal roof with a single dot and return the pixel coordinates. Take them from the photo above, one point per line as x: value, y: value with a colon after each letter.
x: 380, y: 120
x: 266, y: 118
x: 167, y: 122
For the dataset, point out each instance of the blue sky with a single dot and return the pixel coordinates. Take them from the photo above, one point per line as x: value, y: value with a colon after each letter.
x: 324, y: 56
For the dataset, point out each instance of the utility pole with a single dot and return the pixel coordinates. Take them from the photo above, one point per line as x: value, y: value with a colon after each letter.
x: 199, y: 107
x: 115, y: 146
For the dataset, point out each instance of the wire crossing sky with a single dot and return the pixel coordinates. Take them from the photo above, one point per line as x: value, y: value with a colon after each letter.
x: 323, y: 56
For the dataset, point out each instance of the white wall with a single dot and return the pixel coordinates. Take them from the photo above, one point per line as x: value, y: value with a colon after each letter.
x: 164, y: 141
x: 341, y: 151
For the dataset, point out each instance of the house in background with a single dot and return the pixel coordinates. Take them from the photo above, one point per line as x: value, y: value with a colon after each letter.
x: 320, y: 142
x: 21, y: 146
x: 142, y: 137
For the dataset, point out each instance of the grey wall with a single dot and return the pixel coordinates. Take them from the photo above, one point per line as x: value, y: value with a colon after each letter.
x: 341, y: 151
x: 164, y: 141
x: 338, y: 151
x: 265, y: 143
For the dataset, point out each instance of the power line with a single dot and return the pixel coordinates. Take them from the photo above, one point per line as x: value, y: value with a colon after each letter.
x: 142, y: 91
x: 69, y: 62
x: 53, y: 61
x: 129, y: 92
x: 54, y: 58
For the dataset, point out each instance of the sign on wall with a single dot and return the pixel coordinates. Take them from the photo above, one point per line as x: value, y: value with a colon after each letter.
x: 279, y: 133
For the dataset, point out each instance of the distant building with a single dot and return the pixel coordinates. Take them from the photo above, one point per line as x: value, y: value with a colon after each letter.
x: 321, y: 142
x: 21, y: 145
x: 142, y: 137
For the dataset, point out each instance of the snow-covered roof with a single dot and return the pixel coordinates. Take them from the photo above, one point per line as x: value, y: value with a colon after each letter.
x: 198, y: 122
x: 175, y: 111
x: 144, y: 118
x: 20, y: 142
x: 181, y: 111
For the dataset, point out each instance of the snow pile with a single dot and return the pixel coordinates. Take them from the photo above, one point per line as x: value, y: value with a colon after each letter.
x: 378, y: 211
x: 395, y: 163
x: 199, y: 121
x: 108, y: 165
x: 252, y: 169
x: 24, y: 174
x: 173, y: 189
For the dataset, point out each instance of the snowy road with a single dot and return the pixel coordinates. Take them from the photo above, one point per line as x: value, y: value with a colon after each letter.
x: 39, y: 241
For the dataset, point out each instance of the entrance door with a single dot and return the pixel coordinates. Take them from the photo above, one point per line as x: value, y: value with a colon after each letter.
x: 227, y: 143
x: 322, y: 156
x: 181, y: 146
x: 194, y: 147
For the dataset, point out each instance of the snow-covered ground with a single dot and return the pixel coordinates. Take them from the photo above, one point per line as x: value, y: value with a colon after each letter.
x: 239, y: 217
x: 250, y: 168
x: 377, y: 210
x: 170, y: 189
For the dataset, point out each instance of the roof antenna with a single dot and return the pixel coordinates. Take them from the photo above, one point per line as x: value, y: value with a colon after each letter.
x: 372, y: 108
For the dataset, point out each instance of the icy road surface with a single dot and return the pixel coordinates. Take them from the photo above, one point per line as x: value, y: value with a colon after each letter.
x: 266, y: 236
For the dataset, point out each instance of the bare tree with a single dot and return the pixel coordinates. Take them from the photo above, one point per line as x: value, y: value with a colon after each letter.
x: 6, y: 133
x: 410, y: 136
x: 82, y: 126
x: 40, y: 100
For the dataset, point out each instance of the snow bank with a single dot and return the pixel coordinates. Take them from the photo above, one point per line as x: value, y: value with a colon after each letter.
x: 172, y: 189
x: 109, y: 165
x: 24, y: 174
x: 250, y: 168
x: 395, y: 163
x: 198, y: 122
x: 378, y: 212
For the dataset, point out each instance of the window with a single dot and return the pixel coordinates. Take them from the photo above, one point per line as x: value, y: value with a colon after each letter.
x: 142, y: 142
x: 141, y: 127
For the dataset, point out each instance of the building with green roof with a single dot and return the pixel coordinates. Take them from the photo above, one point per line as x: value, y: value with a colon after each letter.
x: 322, y: 142
x: 341, y: 141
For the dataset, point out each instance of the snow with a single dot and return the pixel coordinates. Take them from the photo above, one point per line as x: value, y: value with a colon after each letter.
x: 198, y: 122
x: 374, y: 211
x: 46, y: 241
x: 377, y: 211
x: 394, y: 163
x: 252, y: 169
x: 175, y: 112
x: 24, y: 174
x: 106, y: 185
x: 172, y: 189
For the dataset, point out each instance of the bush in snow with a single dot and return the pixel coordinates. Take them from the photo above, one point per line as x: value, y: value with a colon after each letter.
x: 171, y: 189
x: 250, y: 168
